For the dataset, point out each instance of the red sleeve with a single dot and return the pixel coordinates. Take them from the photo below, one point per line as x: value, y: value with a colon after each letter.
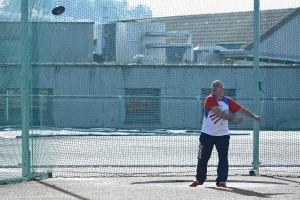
x: 233, y: 106
x: 210, y: 102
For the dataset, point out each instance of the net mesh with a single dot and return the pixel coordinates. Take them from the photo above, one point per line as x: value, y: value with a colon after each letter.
x: 116, y: 88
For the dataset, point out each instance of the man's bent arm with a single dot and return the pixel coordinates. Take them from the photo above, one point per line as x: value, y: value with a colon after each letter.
x: 221, y: 114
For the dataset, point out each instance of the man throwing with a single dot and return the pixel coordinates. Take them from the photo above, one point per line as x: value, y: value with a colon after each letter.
x: 215, y: 132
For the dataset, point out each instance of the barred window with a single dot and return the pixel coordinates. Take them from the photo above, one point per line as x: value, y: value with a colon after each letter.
x: 142, y: 106
x: 40, y: 106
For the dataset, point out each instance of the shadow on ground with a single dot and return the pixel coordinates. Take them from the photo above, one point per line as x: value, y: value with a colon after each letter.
x: 246, y: 192
x: 228, y: 189
x: 189, y: 181
x: 62, y: 190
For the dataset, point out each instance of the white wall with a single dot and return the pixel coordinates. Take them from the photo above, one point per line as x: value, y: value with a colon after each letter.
x: 131, y: 41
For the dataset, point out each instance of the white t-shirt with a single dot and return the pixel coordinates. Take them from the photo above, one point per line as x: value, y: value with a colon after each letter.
x: 213, y: 124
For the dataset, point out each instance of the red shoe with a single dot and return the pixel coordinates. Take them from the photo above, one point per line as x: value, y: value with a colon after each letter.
x: 195, y: 184
x: 221, y: 184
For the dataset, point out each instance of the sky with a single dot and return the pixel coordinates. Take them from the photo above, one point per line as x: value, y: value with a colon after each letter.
x: 161, y: 8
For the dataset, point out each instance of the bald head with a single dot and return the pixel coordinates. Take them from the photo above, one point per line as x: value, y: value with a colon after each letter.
x: 218, y: 83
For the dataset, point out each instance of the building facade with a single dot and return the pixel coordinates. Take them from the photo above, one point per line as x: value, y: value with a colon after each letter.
x: 147, y: 97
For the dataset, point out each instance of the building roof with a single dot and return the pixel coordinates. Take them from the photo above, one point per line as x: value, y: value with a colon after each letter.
x: 224, y: 28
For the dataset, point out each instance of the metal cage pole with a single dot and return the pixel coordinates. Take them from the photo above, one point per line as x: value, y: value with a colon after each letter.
x: 25, y: 85
x: 256, y: 37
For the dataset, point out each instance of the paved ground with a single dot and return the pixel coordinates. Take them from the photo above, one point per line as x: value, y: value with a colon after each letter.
x: 150, y: 188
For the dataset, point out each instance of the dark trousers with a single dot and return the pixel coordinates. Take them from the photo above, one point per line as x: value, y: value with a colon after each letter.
x: 206, y: 144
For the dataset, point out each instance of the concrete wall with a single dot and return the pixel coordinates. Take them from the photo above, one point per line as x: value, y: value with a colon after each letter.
x: 59, y: 42
x: 94, y: 96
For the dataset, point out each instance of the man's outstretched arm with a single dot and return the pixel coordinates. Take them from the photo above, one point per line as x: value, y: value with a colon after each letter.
x: 248, y: 113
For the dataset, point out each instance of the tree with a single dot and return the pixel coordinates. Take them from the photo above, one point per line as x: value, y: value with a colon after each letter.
x: 140, y: 11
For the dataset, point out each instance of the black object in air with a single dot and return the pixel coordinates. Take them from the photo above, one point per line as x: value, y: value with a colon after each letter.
x: 58, y: 10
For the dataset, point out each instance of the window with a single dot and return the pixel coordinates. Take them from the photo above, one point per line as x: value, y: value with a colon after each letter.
x: 3, y: 107
x: 40, y: 105
x: 142, y: 106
